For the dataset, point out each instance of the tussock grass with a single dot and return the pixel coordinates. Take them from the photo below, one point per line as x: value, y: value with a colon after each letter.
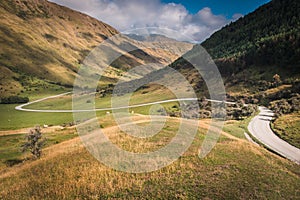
x: 235, y: 169
x: 288, y: 128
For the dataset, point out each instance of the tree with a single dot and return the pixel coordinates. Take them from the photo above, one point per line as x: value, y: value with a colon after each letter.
x: 277, y: 80
x: 34, y: 142
x: 237, y: 113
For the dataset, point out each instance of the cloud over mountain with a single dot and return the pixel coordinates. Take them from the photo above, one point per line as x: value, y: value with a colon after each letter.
x: 131, y: 14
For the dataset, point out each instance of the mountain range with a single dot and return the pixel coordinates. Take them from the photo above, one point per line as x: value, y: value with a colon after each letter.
x: 250, y: 51
x: 47, y: 42
x: 44, y: 43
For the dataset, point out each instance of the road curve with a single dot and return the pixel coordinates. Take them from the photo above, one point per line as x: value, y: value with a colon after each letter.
x: 260, y: 128
x: 20, y: 107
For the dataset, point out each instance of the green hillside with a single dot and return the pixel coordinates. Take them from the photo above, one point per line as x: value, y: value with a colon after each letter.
x: 258, y: 58
x: 250, y: 51
x: 270, y: 36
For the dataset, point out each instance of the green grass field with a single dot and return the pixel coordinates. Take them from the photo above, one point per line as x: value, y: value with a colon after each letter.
x: 10, y: 148
x: 235, y: 128
x: 10, y: 145
x: 139, y: 97
x: 12, y: 119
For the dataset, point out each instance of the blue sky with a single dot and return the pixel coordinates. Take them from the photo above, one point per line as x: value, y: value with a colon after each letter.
x: 196, y: 19
x: 226, y: 7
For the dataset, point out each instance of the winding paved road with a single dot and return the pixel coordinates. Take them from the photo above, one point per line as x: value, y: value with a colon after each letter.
x: 260, y: 128
x: 21, y: 107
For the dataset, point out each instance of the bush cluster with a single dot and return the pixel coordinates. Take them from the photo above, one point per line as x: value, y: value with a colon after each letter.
x: 14, y: 100
x: 286, y: 106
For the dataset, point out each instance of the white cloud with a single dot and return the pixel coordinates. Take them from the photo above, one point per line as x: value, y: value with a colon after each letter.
x: 237, y: 16
x: 129, y: 14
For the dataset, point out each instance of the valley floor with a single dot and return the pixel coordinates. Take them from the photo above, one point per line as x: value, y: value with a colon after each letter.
x: 235, y: 169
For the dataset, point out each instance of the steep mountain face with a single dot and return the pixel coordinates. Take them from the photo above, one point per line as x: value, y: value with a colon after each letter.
x: 45, y: 42
x: 270, y: 36
x: 258, y: 56
x: 250, y: 51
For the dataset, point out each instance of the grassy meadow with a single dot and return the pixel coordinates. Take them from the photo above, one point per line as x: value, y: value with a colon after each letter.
x: 139, y: 97
x: 10, y: 145
x: 13, y: 119
x: 235, y: 169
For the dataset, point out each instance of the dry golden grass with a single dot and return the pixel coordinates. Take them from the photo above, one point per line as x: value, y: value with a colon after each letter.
x: 277, y: 89
x: 7, y: 76
x: 235, y: 169
x: 288, y: 128
x: 42, y: 38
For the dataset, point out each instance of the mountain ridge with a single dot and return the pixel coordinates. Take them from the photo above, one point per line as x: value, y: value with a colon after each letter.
x: 252, y: 80
x: 43, y: 42
x: 40, y: 39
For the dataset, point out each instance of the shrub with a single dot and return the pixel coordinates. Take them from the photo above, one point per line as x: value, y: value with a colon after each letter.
x: 14, y: 100
x: 34, y: 142
x: 12, y: 162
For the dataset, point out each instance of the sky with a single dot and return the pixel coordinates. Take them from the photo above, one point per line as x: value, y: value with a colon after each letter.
x: 226, y: 8
x: 193, y: 19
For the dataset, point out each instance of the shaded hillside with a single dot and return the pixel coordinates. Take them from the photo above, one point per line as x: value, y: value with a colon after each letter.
x: 270, y: 36
x: 250, y: 51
